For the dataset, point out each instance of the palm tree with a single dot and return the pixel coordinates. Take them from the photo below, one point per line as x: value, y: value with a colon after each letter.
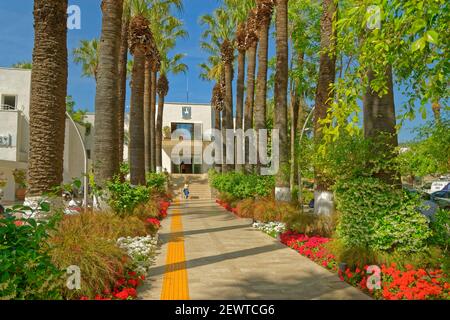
x: 106, y: 157
x: 87, y: 55
x: 140, y: 42
x: 239, y: 10
x: 122, y: 75
x: 165, y: 29
x: 168, y: 65
x: 327, y: 74
x: 252, y: 44
x: 221, y: 30
x: 48, y: 96
x: 281, y: 89
x: 263, y: 18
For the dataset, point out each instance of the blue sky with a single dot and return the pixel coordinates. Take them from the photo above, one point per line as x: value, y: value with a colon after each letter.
x: 16, y: 37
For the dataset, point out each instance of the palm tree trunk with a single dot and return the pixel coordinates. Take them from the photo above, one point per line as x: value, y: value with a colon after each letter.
x: 229, y: 103
x: 147, y: 115
x: 379, y: 124
x: 137, y: 143
x: 327, y: 74
x: 240, y: 97
x: 158, y: 141
x: 48, y: 97
x: 106, y: 160
x: 261, y: 79
x: 152, y: 121
x: 297, y: 123
x: 123, y: 59
x: 250, y: 98
x: 282, y: 188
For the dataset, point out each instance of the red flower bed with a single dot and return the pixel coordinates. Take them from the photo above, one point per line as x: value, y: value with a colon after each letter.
x: 154, y: 222
x: 409, y: 284
x: 163, y: 207
x: 227, y: 207
x: 124, y: 288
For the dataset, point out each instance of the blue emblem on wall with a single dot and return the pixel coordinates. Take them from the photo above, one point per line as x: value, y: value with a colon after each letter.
x: 187, y: 113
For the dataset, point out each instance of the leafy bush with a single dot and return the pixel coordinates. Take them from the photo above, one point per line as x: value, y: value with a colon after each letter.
x: 26, y: 269
x: 242, y: 186
x: 88, y: 240
x: 124, y: 197
x: 156, y: 182
x: 377, y: 216
x: 440, y: 226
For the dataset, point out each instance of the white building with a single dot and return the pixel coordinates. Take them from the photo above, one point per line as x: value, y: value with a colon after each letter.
x: 15, y: 89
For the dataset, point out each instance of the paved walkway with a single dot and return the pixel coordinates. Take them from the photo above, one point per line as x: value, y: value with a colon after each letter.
x: 208, y: 253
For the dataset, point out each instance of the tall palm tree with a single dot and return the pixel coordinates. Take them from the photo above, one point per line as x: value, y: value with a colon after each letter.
x: 263, y: 18
x: 281, y: 89
x: 87, y: 55
x: 239, y: 10
x: 327, y: 74
x: 165, y: 29
x: 220, y: 29
x: 252, y: 44
x: 106, y: 157
x: 122, y: 75
x: 140, y: 42
x: 48, y: 96
x: 168, y: 65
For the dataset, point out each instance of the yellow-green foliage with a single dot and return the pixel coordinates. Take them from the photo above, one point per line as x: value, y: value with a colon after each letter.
x: 245, y: 208
x: 88, y: 241
x: 310, y: 224
x: 267, y: 210
x: 359, y: 256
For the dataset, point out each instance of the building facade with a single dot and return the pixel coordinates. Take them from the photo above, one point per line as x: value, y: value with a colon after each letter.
x: 190, y: 123
x: 15, y: 90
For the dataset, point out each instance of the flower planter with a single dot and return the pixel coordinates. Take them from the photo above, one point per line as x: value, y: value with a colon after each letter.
x: 20, y: 194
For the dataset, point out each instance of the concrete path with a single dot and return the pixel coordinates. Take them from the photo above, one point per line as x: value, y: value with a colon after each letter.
x: 208, y: 253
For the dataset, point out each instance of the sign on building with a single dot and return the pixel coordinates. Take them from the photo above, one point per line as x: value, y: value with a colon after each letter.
x: 187, y: 113
x: 5, y: 141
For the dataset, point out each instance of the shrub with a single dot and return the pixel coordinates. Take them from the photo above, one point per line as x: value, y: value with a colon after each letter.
x: 26, y: 269
x: 124, y: 197
x: 83, y: 241
x: 310, y: 224
x: 376, y: 216
x: 156, y: 182
x: 228, y: 199
x: 440, y: 226
x: 268, y: 210
x: 245, y: 208
x: 242, y: 186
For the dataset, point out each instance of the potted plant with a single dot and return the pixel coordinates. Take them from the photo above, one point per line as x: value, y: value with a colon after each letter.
x: 20, y: 179
x: 167, y: 132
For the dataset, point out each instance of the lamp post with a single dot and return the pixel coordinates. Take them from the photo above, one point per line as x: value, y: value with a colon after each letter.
x: 85, y: 177
x: 300, y: 187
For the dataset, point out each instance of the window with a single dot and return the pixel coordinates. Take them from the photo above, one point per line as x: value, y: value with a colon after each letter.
x: 9, y: 102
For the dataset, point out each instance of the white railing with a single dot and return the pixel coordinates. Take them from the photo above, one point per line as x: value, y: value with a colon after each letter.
x: 6, y: 107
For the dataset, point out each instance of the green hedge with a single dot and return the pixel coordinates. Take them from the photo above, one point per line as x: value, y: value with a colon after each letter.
x: 242, y: 186
x: 376, y: 216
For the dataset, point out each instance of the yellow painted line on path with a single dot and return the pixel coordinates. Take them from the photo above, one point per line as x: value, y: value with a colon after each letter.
x: 175, y: 284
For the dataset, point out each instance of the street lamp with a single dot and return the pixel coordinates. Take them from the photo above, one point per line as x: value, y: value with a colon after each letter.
x: 85, y: 178
x: 304, y: 129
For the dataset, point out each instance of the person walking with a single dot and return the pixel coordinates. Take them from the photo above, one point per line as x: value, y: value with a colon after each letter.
x: 186, y: 191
